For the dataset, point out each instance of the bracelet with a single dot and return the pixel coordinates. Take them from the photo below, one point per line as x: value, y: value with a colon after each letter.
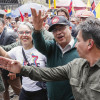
x: 37, y: 31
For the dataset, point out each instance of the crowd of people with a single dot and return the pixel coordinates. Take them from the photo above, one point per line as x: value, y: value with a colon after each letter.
x: 50, y: 57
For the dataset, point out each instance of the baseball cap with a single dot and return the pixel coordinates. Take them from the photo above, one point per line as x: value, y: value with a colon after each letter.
x: 58, y: 20
x: 86, y: 13
x: 78, y: 13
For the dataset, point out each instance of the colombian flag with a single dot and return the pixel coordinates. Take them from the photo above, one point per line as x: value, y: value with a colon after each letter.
x: 93, y: 8
x: 70, y: 8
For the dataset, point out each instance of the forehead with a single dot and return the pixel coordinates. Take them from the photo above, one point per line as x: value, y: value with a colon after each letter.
x: 23, y: 27
x: 13, y: 21
x: 57, y: 26
x: 79, y: 35
x: 61, y: 13
x: 73, y: 19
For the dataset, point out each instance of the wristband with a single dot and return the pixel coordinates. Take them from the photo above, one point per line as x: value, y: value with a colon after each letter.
x: 37, y: 31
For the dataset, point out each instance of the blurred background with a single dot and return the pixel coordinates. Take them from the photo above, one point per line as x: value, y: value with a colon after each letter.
x: 13, y: 4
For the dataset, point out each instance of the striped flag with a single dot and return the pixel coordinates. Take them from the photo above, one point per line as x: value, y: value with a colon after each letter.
x: 93, y: 5
x: 70, y: 8
x: 93, y: 8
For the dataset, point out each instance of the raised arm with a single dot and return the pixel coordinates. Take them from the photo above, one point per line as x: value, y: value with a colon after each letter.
x: 38, y: 20
x: 38, y: 33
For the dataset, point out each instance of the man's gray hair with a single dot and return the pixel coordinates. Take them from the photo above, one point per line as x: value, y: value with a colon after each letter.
x: 90, y: 30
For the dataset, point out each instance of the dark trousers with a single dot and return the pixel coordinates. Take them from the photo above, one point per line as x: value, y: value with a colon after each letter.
x: 36, y: 95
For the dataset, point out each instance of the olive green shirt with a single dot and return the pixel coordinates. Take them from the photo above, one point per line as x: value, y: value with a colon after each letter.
x: 85, y: 80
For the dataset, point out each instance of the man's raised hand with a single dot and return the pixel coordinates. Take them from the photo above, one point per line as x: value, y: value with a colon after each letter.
x: 38, y: 20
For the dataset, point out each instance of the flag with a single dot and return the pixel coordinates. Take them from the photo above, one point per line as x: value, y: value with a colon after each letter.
x: 97, y: 9
x: 73, y: 11
x: 93, y: 5
x: 54, y: 4
x: 49, y: 4
x: 5, y: 10
x: 8, y: 13
x: 22, y: 17
x: 88, y: 4
x: 93, y: 8
x: 70, y: 8
x: 94, y: 12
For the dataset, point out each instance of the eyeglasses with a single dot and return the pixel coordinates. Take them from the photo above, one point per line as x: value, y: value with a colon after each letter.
x: 61, y: 28
x: 13, y: 22
x: 26, y: 32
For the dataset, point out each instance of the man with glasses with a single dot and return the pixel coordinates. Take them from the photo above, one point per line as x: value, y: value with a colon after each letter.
x: 64, y: 12
x: 59, y: 51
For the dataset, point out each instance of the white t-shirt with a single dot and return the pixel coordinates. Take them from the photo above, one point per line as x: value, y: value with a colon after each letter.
x: 35, y: 58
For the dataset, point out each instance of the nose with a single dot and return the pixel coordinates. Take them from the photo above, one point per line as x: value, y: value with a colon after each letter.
x: 58, y: 31
x: 24, y: 34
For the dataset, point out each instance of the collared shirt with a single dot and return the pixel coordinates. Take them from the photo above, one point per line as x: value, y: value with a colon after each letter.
x: 67, y: 47
x: 84, y: 80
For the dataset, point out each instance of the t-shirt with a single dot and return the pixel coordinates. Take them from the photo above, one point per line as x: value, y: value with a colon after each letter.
x: 34, y: 57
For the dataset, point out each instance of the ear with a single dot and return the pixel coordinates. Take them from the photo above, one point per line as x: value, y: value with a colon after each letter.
x: 90, y: 44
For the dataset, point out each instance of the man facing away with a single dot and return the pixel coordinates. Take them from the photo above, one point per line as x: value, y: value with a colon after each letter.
x: 83, y: 73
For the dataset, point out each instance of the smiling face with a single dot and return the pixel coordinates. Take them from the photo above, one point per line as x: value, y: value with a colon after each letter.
x: 62, y: 34
x: 25, y: 35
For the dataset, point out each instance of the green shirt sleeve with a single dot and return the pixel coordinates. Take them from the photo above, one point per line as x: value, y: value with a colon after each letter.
x: 46, y: 74
x: 68, y: 71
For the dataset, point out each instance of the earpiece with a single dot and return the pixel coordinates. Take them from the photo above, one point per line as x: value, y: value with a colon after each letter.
x: 89, y: 44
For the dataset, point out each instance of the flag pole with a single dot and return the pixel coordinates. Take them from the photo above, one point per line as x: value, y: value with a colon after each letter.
x: 54, y: 4
x: 49, y: 4
x: 88, y: 5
